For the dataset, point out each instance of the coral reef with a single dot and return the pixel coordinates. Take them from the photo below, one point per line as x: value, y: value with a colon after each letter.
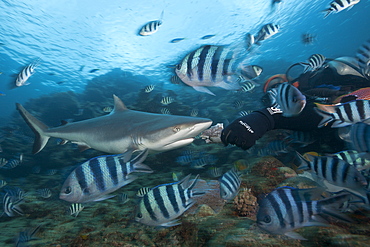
x: 246, y: 204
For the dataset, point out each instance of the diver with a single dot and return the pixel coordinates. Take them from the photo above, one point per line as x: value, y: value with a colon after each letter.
x: 336, y: 77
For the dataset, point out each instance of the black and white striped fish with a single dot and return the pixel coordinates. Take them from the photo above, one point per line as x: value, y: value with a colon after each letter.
x: 96, y: 178
x: 164, y: 203
x: 194, y: 112
x: 249, y: 40
x: 215, y: 172
x: 363, y: 58
x: 302, y: 138
x: 352, y: 157
x: 275, y: 147
x: 251, y: 71
x: 3, y: 161
x: 142, y: 191
x: 238, y: 104
x: 210, y: 66
x: 75, y: 209
x: 149, y: 88
x: 151, y: 27
x: 11, y: 205
x: 175, y: 80
x: 26, y: 236
x: 123, y: 198
x: 344, y: 114
x: 165, y: 111
x: 167, y: 100
x: 244, y: 113
x: 2, y: 183
x: 339, y: 5
x: 229, y: 184
x: 315, y: 62
x: 336, y: 172
x: 26, y: 73
x: 50, y: 172
x: 11, y: 164
x: 288, y: 99
x: 359, y: 137
x: 247, y: 86
x: 44, y: 193
x: 286, y: 209
x: 266, y: 32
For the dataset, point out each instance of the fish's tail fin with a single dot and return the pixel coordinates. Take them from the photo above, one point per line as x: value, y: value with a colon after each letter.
x: 327, y: 12
x: 37, y: 127
x: 332, y: 206
x: 189, y: 185
x: 327, y: 117
x: 138, y: 165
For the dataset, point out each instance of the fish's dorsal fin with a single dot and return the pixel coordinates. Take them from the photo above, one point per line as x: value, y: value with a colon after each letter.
x: 118, y: 104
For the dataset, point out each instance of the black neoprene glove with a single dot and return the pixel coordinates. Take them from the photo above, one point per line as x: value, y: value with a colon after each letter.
x: 245, y: 131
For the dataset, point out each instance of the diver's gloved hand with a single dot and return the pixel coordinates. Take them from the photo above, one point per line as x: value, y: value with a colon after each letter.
x: 245, y: 131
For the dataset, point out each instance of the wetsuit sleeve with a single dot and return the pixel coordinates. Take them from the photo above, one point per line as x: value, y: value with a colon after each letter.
x: 307, y: 120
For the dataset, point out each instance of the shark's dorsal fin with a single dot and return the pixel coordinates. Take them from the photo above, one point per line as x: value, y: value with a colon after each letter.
x: 118, y: 104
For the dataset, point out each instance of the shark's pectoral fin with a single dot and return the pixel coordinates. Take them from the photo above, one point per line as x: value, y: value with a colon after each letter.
x: 82, y: 146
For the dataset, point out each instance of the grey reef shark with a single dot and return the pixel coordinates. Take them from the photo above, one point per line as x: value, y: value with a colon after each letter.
x: 121, y: 131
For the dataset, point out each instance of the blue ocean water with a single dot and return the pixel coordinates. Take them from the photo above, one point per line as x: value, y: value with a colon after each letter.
x: 72, y: 38
x: 104, y: 36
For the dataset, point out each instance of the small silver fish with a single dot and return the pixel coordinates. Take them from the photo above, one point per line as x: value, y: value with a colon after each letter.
x: 177, y: 40
x: 208, y: 36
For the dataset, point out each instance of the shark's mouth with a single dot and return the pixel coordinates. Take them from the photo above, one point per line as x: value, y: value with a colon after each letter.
x: 179, y: 143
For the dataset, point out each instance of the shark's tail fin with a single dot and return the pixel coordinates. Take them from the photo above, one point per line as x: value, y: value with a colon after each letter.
x: 37, y: 127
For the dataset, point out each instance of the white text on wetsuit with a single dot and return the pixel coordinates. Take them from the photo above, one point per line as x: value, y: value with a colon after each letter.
x: 246, y: 126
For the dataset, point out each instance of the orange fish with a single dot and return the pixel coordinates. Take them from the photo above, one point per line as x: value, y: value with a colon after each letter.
x: 306, y: 155
x: 361, y: 94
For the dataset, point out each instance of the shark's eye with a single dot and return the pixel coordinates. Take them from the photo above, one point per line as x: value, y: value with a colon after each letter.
x: 176, y: 129
x: 139, y: 215
x: 68, y: 190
